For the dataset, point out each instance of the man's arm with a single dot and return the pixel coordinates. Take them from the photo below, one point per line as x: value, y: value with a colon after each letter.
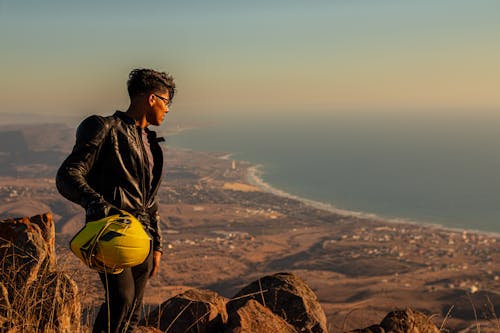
x: 71, y: 179
x: 155, y: 230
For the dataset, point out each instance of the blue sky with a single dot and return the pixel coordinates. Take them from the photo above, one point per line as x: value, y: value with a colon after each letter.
x: 74, y: 56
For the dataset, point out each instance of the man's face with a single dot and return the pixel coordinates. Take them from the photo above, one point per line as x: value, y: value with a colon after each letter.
x: 159, y: 108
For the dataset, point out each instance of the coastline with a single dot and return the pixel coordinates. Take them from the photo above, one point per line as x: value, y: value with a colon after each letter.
x: 254, y: 177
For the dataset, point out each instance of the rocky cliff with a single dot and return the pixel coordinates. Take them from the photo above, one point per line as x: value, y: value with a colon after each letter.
x: 35, y: 295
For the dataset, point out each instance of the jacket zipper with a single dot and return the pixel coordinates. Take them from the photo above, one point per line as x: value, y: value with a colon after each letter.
x: 145, y: 162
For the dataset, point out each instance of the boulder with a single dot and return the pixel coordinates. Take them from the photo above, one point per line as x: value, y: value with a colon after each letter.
x: 289, y: 297
x: 47, y: 230
x: 24, y: 251
x: 195, y: 311
x: 34, y: 295
x: 408, y: 321
x: 254, y: 317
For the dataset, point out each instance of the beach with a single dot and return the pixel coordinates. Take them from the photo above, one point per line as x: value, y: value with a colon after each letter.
x: 254, y: 177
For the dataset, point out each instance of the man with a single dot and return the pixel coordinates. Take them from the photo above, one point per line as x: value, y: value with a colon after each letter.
x: 117, y: 163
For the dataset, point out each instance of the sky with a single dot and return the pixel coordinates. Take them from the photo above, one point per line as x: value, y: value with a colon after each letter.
x: 73, y: 57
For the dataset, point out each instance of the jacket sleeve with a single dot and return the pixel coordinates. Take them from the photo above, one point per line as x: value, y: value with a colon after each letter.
x: 155, y: 228
x: 71, y: 178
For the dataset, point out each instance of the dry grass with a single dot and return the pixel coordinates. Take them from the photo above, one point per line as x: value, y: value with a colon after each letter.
x: 34, y: 297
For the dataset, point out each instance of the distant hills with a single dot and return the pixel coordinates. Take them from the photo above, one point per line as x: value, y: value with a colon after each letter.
x: 12, y: 142
x: 33, y: 150
x: 15, y: 118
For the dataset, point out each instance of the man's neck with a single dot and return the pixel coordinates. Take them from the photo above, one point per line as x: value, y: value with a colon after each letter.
x: 138, y: 115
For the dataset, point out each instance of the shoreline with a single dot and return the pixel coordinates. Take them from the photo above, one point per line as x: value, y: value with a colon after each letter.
x: 254, y: 177
x: 254, y: 174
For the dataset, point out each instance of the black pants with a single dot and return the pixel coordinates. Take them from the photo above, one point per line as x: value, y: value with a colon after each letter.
x: 124, y: 293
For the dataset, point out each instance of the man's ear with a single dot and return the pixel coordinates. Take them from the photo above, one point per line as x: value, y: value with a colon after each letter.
x: 151, y: 99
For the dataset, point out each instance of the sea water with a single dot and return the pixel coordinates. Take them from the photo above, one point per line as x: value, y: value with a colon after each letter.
x: 441, y: 167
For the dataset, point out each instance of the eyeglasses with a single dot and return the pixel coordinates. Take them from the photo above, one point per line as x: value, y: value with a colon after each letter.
x: 165, y: 100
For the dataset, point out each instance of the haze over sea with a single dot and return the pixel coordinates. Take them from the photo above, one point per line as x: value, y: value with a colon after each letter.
x: 430, y: 167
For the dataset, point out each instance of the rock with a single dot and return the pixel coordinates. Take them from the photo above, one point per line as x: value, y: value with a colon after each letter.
x: 147, y: 329
x: 254, y: 317
x: 195, y: 310
x: 48, y: 232
x: 23, y: 250
x: 287, y: 296
x: 408, y: 321
x: 34, y: 296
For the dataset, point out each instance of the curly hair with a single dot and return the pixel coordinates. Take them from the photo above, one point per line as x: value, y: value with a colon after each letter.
x: 146, y: 81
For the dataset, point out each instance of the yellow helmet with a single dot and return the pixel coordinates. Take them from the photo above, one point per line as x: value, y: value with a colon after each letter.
x: 112, y: 243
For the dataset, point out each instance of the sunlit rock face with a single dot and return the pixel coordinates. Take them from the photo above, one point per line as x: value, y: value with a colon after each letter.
x: 33, y: 292
x: 194, y: 311
x: 288, y: 296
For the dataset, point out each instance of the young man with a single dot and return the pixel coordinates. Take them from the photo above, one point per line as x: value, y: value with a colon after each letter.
x: 117, y: 163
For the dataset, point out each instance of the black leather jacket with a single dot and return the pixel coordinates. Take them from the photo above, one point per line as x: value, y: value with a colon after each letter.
x: 109, y: 166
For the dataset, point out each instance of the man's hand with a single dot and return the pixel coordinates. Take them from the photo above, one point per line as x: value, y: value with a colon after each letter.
x: 156, y: 263
x: 100, y: 209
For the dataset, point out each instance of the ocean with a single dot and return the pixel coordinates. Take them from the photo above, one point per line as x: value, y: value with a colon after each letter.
x: 427, y: 167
